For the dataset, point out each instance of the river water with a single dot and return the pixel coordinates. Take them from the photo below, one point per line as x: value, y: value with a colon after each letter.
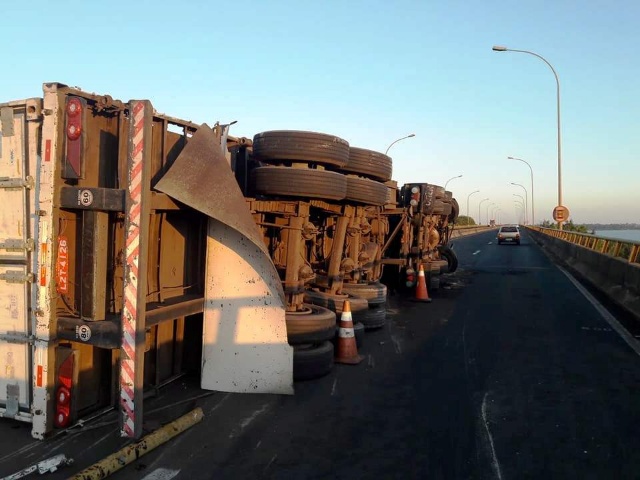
x: 633, y: 235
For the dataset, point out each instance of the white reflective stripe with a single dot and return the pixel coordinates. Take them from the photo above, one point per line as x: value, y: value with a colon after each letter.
x: 346, y: 333
x: 346, y: 316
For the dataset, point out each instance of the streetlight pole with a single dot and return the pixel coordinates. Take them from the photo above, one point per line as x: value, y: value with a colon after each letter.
x: 500, y: 48
x: 487, y: 215
x: 468, y: 204
x: 525, y: 200
x: 479, y: 219
x: 533, y: 206
x: 452, y: 178
x: 396, y: 141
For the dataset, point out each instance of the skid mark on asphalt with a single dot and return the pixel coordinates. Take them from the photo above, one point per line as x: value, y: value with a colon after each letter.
x: 247, y: 421
x: 161, y: 474
x: 494, y: 458
x: 370, y: 361
x: 333, y: 388
x: 611, y: 320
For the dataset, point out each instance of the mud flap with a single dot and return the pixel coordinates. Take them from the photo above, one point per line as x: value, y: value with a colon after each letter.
x: 245, y: 345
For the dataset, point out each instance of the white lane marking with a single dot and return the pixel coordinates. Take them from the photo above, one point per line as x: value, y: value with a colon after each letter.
x: 396, y: 343
x: 219, y: 404
x: 161, y: 474
x: 247, y: 421
x: 490, y: 243
x: 495, y: 463
x: 333, y: 388
x: 273, y: 459
x: 476, y: 252
x: 611, y: 320
x: 90, y: 447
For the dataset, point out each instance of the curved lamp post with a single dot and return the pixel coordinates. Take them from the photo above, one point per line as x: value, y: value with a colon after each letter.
x: 525, y: 200
x: 533, y: 206
x: 500, y: 48
x: 396, y: 141
x: 487, y: 213
x: 468, y: 204
x: 479, y: 219
x: 452, y: 178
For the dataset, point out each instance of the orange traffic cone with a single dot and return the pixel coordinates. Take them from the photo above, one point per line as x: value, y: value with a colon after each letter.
x: 347, y: 348
x: 421, y: 289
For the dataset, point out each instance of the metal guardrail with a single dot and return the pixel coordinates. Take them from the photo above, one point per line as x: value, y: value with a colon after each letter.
x: 626, y: 249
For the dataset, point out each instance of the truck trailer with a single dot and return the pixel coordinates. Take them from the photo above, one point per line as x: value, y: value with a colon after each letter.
x: 128, y: 256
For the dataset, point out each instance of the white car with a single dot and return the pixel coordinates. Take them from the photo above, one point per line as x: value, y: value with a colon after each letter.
x: 509, y: 234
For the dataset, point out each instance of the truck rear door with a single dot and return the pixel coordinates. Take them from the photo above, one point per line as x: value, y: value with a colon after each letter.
x: 17, y: 165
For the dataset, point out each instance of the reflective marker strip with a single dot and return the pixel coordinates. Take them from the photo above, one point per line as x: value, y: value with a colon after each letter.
x: 346, y: 333
x: 39, y: 376
x: 47, y: 151
x: 43, y: 264
x: 129, y: 310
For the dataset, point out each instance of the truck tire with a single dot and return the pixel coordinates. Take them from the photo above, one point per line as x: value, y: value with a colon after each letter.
x: 447, y: 209
x: 298, y: 182
x: 438, y: 207
x: 296, y: 145
x: 313, y: 325
x: 335, y: 303
x: 312, y: 361
x: 375, y: 293
x: 449, y: 255
x: 363, y: 190
x: 373, y: 318
x: 455, y: 211
x: 369, y: 163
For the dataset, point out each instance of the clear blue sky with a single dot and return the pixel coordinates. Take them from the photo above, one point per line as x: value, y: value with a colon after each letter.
x: 371, y: 72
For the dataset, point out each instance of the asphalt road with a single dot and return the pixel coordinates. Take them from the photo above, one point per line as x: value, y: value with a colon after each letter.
x: 509, y: 373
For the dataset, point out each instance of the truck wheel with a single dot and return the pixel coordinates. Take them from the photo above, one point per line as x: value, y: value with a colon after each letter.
x: 312, y: 361
x: 369, y: 163
x: 312, y: 325
x: 455, y: 211
x: 447, y: 209
x: 373, y: 318
x: 298, y: 182
x: 438, y: 207
x: 451, y: 258
x: 335, y: 303
x: 375, y: 293
x: 296, y: 145
x: 363, y: 190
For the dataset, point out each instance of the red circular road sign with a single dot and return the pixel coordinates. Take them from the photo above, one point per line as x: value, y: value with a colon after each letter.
x: 561, y: 213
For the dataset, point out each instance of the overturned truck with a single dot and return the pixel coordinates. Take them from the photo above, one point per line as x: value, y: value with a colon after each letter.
x: 136, y: 247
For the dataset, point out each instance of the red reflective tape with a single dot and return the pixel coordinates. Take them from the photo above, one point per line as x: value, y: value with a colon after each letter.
x: 43, y: 267
x: 47, y: 150
x: 39, y: 376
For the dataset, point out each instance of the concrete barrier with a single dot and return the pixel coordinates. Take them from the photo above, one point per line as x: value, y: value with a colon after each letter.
x: 615, y: 277
x: 464, y: 231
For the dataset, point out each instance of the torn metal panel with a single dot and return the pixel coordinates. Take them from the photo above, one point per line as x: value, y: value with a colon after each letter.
x: 201, y: 178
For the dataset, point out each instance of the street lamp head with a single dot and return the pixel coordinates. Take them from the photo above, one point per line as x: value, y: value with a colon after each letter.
x: 499, y: 48
x: 411, y: 135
